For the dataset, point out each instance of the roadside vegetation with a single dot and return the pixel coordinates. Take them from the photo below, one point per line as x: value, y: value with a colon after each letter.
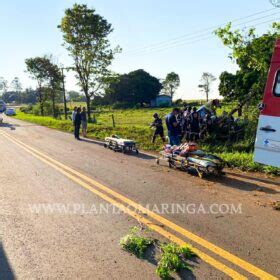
x: 117, y: 102
x: 170, y: 258
x: 134, y: 124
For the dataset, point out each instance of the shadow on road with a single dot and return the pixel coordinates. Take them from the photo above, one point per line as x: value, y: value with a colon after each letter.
x: 241, y: 185
x: 8, y: 125
x: 91, y: 141
x: 6, y: 272
x: 140, y: 155
x: 265, y: 181
x: 100, y: 143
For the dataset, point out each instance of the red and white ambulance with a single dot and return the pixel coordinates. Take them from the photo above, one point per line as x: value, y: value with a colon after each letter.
x: 267, y: 145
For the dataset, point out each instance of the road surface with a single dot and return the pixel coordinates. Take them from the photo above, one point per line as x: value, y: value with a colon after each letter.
x: 60, y: 218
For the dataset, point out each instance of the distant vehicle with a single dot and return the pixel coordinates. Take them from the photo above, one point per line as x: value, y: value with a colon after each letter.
x: 10, y: 112
x: 3, y: 106
x: 267, y: 145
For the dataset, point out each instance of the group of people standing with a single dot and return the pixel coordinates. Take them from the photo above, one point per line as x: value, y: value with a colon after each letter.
x: 184, y: 124
x: 79, y: 118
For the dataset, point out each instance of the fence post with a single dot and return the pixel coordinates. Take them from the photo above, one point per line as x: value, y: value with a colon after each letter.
x: 113, y: 120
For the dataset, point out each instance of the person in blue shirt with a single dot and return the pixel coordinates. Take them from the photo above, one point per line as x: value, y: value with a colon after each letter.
x: 173, y: 127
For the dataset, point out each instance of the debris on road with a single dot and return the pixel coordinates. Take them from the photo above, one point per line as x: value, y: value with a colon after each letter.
x: 169, y: 257
x: 276, y: 205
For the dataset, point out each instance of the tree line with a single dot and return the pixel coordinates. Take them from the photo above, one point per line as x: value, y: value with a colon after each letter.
x: 86, y: 39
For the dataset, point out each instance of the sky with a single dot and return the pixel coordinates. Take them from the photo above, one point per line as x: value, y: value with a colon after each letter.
x: 158, y: 36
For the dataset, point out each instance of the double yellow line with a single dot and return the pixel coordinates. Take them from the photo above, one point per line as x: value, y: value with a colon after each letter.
x: 123, y: 202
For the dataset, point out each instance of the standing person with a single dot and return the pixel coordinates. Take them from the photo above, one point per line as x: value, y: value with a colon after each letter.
x: 74, y: 112
x: 157, y: 123
x: 77, y: 123
x: 84, y: 121
x: 194, y: 125
x: 173, y: 127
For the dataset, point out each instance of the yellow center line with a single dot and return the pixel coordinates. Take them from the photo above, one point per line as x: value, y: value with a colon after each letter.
x: 210, y: 246
x: 208, y: 259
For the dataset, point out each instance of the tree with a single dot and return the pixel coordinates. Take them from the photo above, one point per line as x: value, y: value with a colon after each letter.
x: 38, y: 71
x: 171, y: 83
x: 85, y: 35
x: 137, y: 87
x: 54, y: 77
x: 206, y: 81
x: 252, y: 53
x: 3, y: 84
x: 16, y: 85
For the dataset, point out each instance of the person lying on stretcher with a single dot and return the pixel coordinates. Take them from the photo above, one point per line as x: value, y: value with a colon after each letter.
x: 182, y: 150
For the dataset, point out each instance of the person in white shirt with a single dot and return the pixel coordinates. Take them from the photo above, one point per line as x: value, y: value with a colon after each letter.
x: 74, y: 112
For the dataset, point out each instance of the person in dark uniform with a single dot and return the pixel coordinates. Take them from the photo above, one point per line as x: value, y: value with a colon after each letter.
x: 194, y: 125
x: 157, y: 123
x: 172, y: 127
x: 77, y: 123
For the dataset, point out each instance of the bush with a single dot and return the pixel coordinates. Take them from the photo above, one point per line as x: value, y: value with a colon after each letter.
x: 27, y: 110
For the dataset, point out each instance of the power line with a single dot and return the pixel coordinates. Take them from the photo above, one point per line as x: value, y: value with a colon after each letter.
x: 200, y: 32
x: 202, y: 38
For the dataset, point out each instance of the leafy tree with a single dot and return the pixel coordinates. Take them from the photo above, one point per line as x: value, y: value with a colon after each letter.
x: 54, y: 82
x: 252, y: 53
x: 133, y: 88
x: 36, y: 67
x: 206, y: 81
x: 48, y: 77
x: 85, y: 35
x: 171, y: 83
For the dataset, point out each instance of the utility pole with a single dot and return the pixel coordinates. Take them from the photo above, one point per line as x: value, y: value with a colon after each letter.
x: 64, y: 93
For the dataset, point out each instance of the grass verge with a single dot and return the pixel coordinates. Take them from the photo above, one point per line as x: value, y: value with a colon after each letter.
x: 142, y: 134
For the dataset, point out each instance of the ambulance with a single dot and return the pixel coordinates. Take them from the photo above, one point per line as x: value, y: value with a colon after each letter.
x: 267, y: 145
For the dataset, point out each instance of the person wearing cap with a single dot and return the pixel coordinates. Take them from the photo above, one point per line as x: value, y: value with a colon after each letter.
x: 157, y: 124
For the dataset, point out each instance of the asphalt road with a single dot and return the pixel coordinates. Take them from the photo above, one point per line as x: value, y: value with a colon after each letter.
x: 54, y: 190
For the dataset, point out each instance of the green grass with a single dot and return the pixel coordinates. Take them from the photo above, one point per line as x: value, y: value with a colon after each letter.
x: 134, y: 124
